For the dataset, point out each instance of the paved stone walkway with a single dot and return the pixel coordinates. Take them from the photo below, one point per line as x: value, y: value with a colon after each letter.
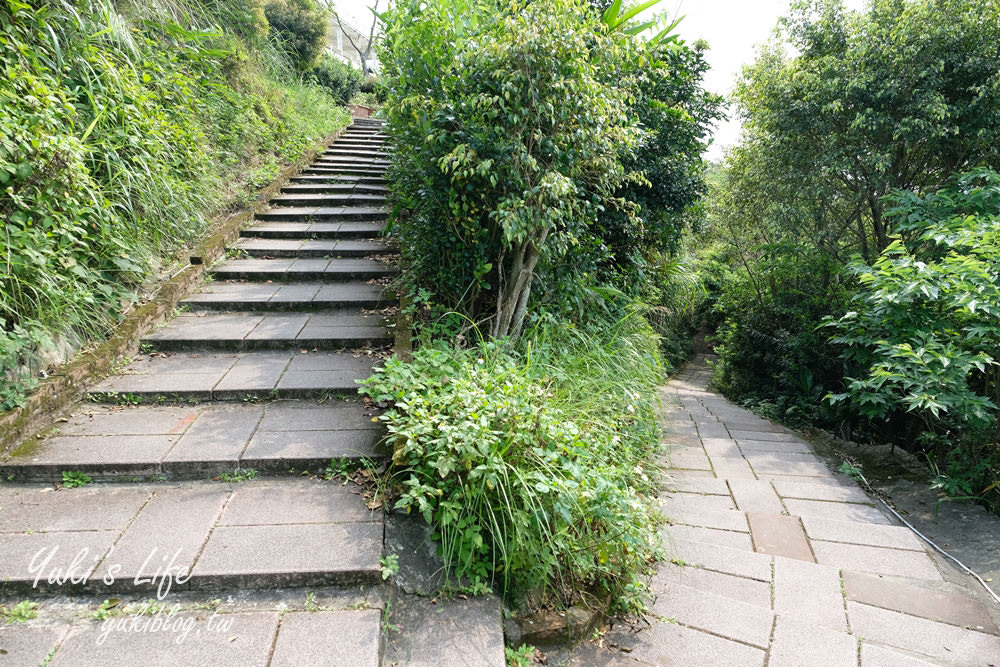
x: 255, y: 381
x: 778, y: 561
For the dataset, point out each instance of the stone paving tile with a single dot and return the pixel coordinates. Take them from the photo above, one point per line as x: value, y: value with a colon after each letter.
x: 305, y: 416
x: 693, y: 515
x: 716, y: 614
x: 42, y: 509
x: 874, y: 535
x: 938, y: 640
x: 309, y: 381
x: 876, y: 560
x: 278, y: 327
x: 819, y: 489
x: 220, y: 434
x: 168, y: 533
x: 906, y: 598
x: 449, y: 633
x: 129, y: 420
x: 253, y: 372
x: 124, y: 453
x: 701, y: 501
x: 671, y: 644
x: 588, y: 654
x: 271, y: 448
x: 246, y: 642
x: 689, y: 458
x: 721, y: 447
x: 755, y: 496
x: 167, y: 383
x: 677, y: 480
x: 28, y: 645
x: 778, y: 436
x: 809, y: 593
x: 874, y: 655
x: 723, y: 538
x: 687, y: 440
x: 779, y: 535
x: 800, y: 644
x: 276, y: 503
x: 41, y: 557
x: 333, y: 638
x: 836, y: 511
x: 747, y: 591
x: 771, y: 466
x: 749, y: 446
x: 722, y: 559
x: 732, y: 467
x: 277, y: 555
x: 707, y: 430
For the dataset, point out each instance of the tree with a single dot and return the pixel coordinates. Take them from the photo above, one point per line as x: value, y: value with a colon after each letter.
x: 897, y: 97
x: 364, y: 54
x: 303, y: 25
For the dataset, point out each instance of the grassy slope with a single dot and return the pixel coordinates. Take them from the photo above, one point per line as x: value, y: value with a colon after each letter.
x: 123, y: 128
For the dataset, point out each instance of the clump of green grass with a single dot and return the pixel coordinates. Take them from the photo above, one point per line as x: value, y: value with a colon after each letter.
x: 125, y: 126
x: 533, y: 462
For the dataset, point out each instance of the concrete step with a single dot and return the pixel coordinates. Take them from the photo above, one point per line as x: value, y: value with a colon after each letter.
x: 314, y: 230
x: 267, y: 248
x: 359, y: 143
x: 239, y: 331
x: 252, y: 296
x: 228, y: 633
x: 344, y: 171
x: 328, y: 199
x: 115, y: 443
x: 335, y: 188
x: 323, y: 213
x: 295, y: 270
x: 228, y: 376
x: 334, y: 179
x: 256, y: 535
x: 352, y: 151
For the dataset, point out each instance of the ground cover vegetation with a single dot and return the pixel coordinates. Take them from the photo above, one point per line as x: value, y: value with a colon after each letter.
x: 850, y: 260
x: 546, y: 161
x: 124, y: 126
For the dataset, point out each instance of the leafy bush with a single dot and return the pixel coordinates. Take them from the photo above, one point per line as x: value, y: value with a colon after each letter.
x: 115, y: 143
x: 532, y: 462
x: 924, y: 338
x: 341, y: 80
x: 302, y: 25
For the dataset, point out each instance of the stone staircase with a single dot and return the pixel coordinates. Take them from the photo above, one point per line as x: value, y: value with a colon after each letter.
x: 210, y: 448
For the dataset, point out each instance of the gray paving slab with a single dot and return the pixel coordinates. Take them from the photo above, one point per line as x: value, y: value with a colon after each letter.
x: 28, y: 644
x: 937, y: 640
x: 876, y: 560
x: 303, y: 554
x: 270, y: 448
x: 305, y: 416
x: 673, y: 644
x: 332, y: 638
x: 254, y: 372
x: 747, y: 591
x: 181, y: 640
x: 54, y: 561
x: 125, y: 453
x: 450, y: 633
x: 166, y: 537
x: 721, y: 559
x: 277, y: 503
x: 221, y: 433
x: 895, y: 537
x: 129, y: 420
x: 717, y: 614
x: 42, y: 509
x: 723, y: 538
x: 836, y: 510
x: 801, y: 644
x: 810, y: 593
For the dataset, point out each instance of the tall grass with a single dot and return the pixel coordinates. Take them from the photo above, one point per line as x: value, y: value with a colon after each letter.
x: 123, y: 127
x: 533, y: 462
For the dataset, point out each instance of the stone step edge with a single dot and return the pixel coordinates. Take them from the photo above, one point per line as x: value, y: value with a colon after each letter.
x: 286, y: 467
x: 263, y: 344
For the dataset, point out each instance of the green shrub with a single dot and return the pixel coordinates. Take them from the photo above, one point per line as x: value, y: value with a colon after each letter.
x: 338, y: 78
x: 116, y: 143
x: 532, y: 463
x: 302, y: 25
x: 924, y: 336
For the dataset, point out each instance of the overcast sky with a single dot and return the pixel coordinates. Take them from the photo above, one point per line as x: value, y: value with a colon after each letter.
x: 732, y: 28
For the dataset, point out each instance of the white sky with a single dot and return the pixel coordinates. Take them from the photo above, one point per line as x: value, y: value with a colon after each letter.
x: 732, y: 28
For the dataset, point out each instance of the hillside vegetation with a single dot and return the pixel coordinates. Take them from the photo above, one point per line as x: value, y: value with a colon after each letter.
x: 124, y: 126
